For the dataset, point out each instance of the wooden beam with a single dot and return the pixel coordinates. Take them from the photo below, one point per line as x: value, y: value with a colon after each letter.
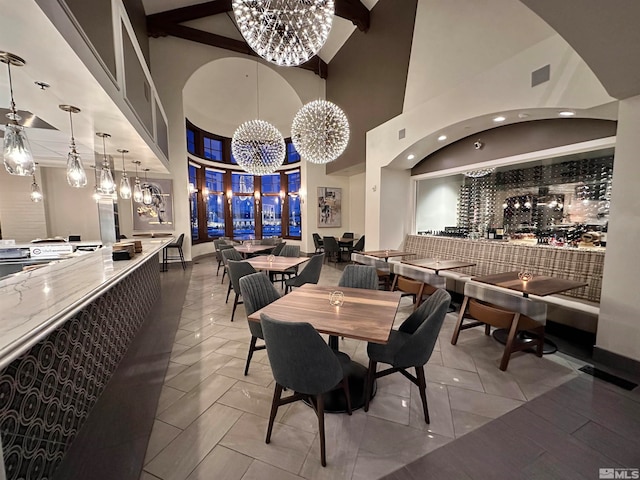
x: 354, y: 11
x: 315, y: 64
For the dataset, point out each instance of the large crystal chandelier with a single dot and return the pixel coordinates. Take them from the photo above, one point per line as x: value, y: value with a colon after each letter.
x: 258, y: 147
x: 320, y: 131
x: 285, y: 32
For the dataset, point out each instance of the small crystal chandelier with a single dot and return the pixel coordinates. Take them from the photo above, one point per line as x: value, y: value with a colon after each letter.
x: 146, y: 190
x: 125, y: 186
x: 36, y: 193
x: 106, y: 186
x: 285, y: 32
x: 18, y: 159
x: 76, y: 176
x: 320, y: 131
x: 137, y: 188
x: 258, y: 147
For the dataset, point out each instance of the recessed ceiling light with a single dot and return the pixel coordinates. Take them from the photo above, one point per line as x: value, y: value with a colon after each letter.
x: 411, y: 156
x: 499, y: 119
x: 442, y: 138
x: 567, y: 113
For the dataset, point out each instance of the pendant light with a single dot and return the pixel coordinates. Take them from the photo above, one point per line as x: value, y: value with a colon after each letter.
x: 125, y: 186
x: 137, y: 188
x: 96, y: 191
x: 106, y: 186
x: 76, y: 176
x: 36, y: 193
x: 18, y: 159
x: 146, y: 190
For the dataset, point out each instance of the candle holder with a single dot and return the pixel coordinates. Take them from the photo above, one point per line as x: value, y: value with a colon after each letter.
x: 525, y: 276
x: 271, y: 258
x: 336, y: 298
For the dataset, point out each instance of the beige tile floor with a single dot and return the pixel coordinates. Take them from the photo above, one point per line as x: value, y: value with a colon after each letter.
x: 211, y: 419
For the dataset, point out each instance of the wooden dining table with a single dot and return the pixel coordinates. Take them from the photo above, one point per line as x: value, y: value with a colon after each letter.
x: 366, y: 315
x: 386, y: 254
x: 439, y: 264
x: 540, y: 285
x: 250, y: 249
x: 277, y: 263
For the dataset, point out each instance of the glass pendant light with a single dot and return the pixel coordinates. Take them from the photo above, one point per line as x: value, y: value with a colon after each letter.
x: 125, y: 186
x: 137, y: 188
x: 18, y: 159
x: 146, y: 190
x: 76, y: 176
x: 36, y: 193
x: 96, y: 191
x: 106, y: 186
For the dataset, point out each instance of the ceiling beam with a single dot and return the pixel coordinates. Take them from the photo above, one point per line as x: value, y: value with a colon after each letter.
x: 352, y: 10
x: 315, y: 64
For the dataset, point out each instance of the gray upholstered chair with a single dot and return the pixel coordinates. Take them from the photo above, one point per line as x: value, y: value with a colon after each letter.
x: 292, y: 251
x: 257, y: 292
x: 410, y: 346
x: 220, y: 245
x: 310, y: 274
x: 317, y: 242
x: 331, y: 249
x: 303, y: 363
x: 229, y: 254
x: 237, y: 270
x: 278, y: 248
x: 359, y: 276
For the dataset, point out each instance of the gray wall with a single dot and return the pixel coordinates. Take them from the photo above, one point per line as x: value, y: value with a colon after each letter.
x: 368, y: 76
x: 135, y: 11
x: 516, y: 139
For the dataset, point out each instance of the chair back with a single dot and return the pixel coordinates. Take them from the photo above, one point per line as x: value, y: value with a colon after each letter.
x: 300, y: 359
x: 230, y: 254
x: 330, y: 245
x: 317, y: 241
x: 180, y: 240
x: 237, y: 270
x: 311, y: 272
x: 257, y: 292
x: 278, y: 248
x: 290, y: 251
x: 359, y: 246
x: 359, y: 276
x: 424, y: 326
x: 347, y: 235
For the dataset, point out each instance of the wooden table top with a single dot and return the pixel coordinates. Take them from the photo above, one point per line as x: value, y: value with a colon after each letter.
x: 539, y: 285
x: 365, y: 314
x: 346, y: 239
x: 279, y: 264
x: 253, y: 248
x: 438, y: 264
x: 387, y: 253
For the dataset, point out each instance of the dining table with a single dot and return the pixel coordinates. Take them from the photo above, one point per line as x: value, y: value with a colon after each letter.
x: 251, y: 249
x: 539, y: 285
x: 364, y: 314
x: 275, y: 263
x: 387, y: 254
x: 439, y: 264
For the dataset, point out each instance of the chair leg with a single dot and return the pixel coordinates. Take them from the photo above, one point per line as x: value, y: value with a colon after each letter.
x: 224, y: 272
x: 164, y: 259
x: 252, y: 347
x: 371, y: 373
x: 218, y: 270
x: 320, y: 409
x: 228, y: 292
x: 511, y: 339
x: 347, y: 393
x: 235, y: 304
x: 277, y: 393
x: 456, y: 332
x: 184, y: 264
x: 487, y: 329
x: 422, y: 386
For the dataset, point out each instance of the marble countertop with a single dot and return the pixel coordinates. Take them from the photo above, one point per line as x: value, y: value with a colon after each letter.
x: 34, y: 303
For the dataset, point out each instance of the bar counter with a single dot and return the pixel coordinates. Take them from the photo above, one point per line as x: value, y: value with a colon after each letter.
x: 64, y: 328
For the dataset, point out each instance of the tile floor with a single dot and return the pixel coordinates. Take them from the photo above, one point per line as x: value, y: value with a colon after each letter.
x: 211, y: 419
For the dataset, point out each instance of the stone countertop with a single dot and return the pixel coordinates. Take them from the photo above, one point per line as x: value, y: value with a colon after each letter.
x: 34, y: 303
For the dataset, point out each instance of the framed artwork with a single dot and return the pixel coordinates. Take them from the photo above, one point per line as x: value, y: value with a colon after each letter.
x: 329, y: 207
x: 158, y: 216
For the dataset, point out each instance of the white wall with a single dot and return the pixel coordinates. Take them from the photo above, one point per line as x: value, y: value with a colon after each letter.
x: 70, y: 211
x: 436, y: 201
x: 20, y: 218
x: 619, y: 322
x: 357, y: 204
x: 395, y: 203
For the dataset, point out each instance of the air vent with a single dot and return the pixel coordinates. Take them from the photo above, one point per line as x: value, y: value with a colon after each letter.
x: 401, y: 134
x: 541, y: 75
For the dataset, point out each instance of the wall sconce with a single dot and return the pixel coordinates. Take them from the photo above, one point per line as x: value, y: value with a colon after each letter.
x: 205, y: 193
x: 303, y: 194
x: 192, y: 188
x: 229, y: 198
x: 256, y: 196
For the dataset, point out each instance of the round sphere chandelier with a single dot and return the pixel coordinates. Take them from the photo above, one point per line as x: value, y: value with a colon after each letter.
x: 285, y: 32
x: 320, y: 131
x: 481, y: 172
x: 258, y: 147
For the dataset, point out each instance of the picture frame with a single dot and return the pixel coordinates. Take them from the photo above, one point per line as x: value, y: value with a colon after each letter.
x: 158, y: 216
x: 329, y: 207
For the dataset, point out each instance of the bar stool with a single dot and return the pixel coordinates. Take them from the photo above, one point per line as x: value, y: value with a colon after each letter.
x: 165, y: 255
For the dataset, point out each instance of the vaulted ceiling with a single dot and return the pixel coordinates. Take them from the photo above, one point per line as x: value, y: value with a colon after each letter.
x: 212, y: 23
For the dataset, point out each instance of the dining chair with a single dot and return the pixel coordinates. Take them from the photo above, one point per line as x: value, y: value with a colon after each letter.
x: 237, y: 270
x: 278, y: 248
x: 165, y: 254
x: 332, y: 249
x: 310, y: 273
x: 303, y: 363
x: 317, y: 242
x: 359, y: 276
x: 413, y: 288
x: 347, y: 235
x: 229, y: 254
x: 410, y: 346
x: 257, y: 292
x: 291, y: 251
x: 358, y: 247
